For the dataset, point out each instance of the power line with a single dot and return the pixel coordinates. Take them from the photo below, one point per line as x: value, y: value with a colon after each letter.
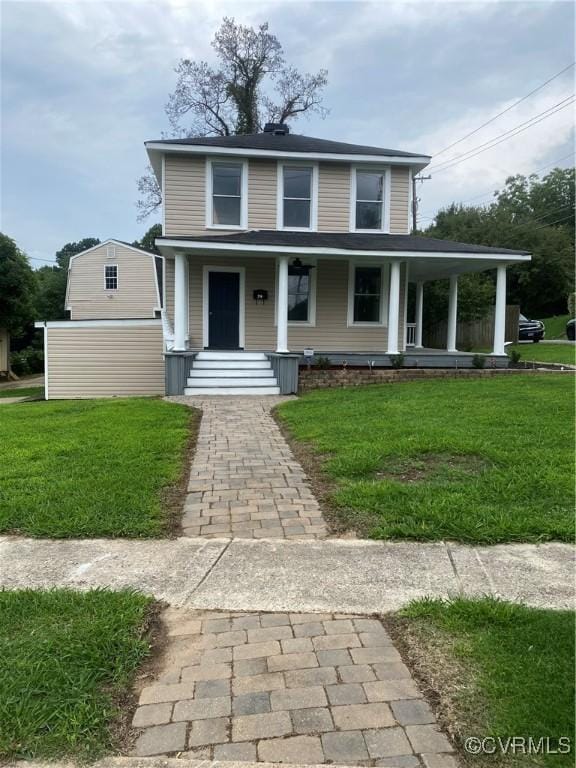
x: 505, y: 136
x: 491, y: 193
x: 492, y: 119
x: 552, y: 223
x: 47, y: 261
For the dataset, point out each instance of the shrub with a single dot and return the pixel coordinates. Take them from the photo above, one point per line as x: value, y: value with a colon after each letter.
x: 27, y: 361
x: 323, y: 362
x: 515, y: 356
x: 478, y: 361
x: 397, y: 361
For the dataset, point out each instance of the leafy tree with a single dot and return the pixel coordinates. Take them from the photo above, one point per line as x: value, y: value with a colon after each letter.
x: 51, y: 295
x: 148, y: 239
x: 17, y: 288
x: 249, y: 85
x: 528, y: 214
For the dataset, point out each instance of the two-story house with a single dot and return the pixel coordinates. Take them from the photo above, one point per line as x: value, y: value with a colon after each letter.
x: 277, y: 246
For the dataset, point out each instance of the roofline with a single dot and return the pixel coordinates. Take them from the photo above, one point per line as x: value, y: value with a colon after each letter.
x: 210, y: 245
x: 153, y: 147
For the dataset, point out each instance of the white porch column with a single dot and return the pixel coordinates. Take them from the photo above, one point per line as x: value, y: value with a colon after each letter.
x: 452, y: 313
x: 393, y: 308
x: 180, y: 301
x: 500, y: 311
x: 282, y: 306
x: 419, y: 314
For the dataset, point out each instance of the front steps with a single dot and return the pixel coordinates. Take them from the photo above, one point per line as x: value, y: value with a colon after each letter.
x: 231, y: 373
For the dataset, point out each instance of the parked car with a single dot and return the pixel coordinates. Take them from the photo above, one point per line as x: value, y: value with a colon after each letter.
x: 570, y: 329
x: 530, y: 330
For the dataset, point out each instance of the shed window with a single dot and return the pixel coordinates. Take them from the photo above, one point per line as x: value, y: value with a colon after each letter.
x: 370, y: 186
x: 367, y: 294
x: 111, y: 277
x: 226, y: 194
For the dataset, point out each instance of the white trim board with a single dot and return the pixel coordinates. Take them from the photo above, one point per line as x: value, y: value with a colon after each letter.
x: 205, y: 303
x: 311, y: 322
x: 154, y: 148
x: 266, y: 250
x: 96, y: 323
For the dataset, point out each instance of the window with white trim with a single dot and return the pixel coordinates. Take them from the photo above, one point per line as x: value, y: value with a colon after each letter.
x: 111, y: 277
x: 297, y: 197
x: 299, y: 284
x: 367, y: 295
x: 370, y: 202
x: 226, y: 185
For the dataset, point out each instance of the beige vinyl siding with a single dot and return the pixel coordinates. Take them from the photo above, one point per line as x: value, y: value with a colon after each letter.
x: 262, y: 194
x: 400, y: 201
x: 105, y: 361
x: 333, y: 197
x: 136, y: 296
x: 331, y: 332
x: 185, y: 196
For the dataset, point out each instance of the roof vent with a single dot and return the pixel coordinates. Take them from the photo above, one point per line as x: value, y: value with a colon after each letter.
x: 277, y: 129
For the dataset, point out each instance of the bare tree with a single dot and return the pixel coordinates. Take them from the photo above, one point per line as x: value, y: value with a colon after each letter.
x: 250, y: 85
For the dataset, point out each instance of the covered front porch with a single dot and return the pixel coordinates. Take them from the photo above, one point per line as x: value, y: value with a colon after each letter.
x: 306, y: 301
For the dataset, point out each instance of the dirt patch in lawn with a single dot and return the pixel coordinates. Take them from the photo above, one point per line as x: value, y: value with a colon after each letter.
x: 449, y: 687
x: 429, y: 467
x: 123, y: 734
x: 173, y: 497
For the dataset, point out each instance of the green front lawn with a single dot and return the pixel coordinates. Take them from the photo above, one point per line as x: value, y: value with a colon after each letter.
x: 91, y: 467
x: 495, y: 669
x: 68, y: 658
x: 483, y: 460
x: 565, y: 354
x: 22, y: 392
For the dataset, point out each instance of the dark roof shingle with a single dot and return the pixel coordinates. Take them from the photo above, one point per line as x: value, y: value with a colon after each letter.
x: 288, y: 143
x: 353, y: 241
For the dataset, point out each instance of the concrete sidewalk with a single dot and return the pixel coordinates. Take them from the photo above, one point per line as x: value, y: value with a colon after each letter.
x: 361, y: 577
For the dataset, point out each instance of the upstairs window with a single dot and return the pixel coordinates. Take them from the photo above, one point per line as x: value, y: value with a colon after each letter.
x: 367, y: 295
x: 111, y: 277
x: 370, y: 200
x: 297, y: 204
x: 227, y: 185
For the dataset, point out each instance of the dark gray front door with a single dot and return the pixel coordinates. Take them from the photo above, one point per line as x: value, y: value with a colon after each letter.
x: 223, y: 310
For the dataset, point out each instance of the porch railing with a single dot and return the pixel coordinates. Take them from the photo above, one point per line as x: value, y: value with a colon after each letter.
x: 410, y: 334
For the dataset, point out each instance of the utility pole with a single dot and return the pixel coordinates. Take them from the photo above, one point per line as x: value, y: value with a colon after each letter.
x: 415, y: 200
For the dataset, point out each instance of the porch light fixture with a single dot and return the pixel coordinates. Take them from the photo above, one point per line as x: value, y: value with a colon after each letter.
x: 297, y: 268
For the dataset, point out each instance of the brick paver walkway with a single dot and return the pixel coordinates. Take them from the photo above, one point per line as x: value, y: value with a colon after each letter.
x: 291, y: 688
x: 244, y: 480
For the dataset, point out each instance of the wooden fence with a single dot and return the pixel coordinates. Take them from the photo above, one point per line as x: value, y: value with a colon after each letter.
x: 475, y: 334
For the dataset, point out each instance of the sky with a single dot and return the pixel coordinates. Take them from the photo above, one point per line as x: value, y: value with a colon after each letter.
x: 84, y: 84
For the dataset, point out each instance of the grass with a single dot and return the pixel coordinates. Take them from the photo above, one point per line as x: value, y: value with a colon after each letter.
x: 22, y: 392
x: 556, y: 326
x: 91, y: 467
x: 495, y: 669
x: 483, y: 460
x: 564, y: 354
x: 68, y: 658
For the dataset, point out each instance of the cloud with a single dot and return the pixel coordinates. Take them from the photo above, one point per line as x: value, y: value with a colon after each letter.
x: 85, y: 83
